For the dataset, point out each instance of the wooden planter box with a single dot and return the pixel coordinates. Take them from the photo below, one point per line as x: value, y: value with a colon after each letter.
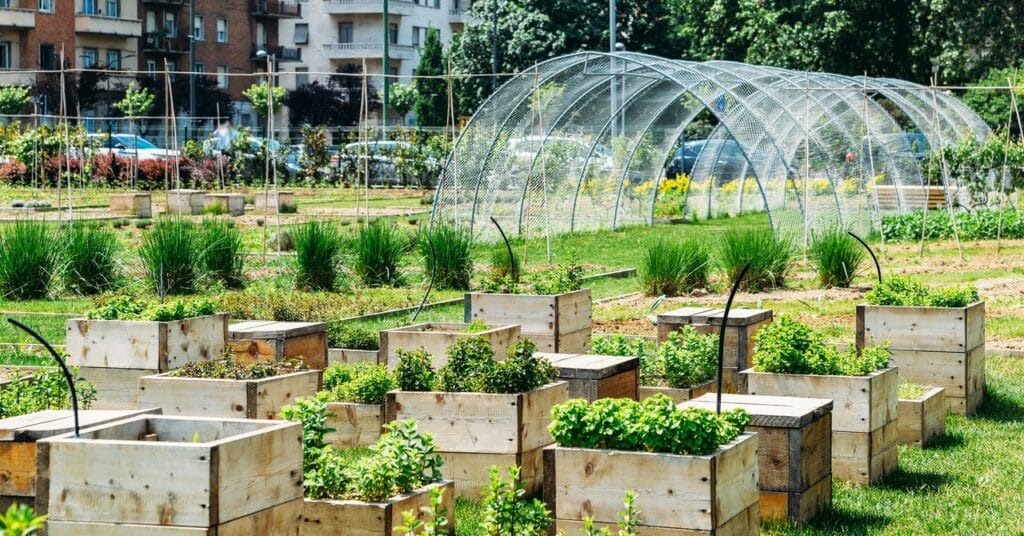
x: 436, y: 337
x: 940, y: 346
x: 794, y: 453
x: 114, y: 354
x: 18, y: 446
x: 864, y: 416
x: 358, y: 518
x: 592, y: 377
x: 923, y: 419
x: 186, y: 202
x: 474, y: 431
x: 240, y: 399
x: 679, y: 394
x: 676, y: 494
x: 131, y: 204
x: 739, y: 340
x: 271, y: 202
x: 155, y: 473
x: 355, y: 425
x: 350, y: 356
x: 255, y: 340
x: 233, y: 204
x: 559, y: 323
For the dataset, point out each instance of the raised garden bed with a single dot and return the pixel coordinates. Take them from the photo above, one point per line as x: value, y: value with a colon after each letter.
x: 254, y: 340
x: 351, y: 356
x: 274, y: 201
x: 186, y: 202
x: 162, y: 472
x: 922, y: 418
x: 139, y: 205
x: 230, y: 204
x: 677, y: 394
x: 592, y: 377
x: 436, y: 338
x: 329, y: 517
x: 355, y: 396
x: 559, y: 323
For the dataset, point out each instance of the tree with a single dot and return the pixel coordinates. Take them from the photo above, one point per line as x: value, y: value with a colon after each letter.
x: 137, y: 101
x: 337, y: 103
x: 13, y: 99
x: 350, y: 80
x: 994, y: 105
x: 258, y: 95
x: 211, y: 100
x: 402, y: 98
x: 431, y: 104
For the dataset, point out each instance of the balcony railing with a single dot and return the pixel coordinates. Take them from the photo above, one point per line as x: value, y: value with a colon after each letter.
x: 276, y: 8
x: 343, y: 51
x: 21, y: 19
x: 160, y: 43
x: 103, y: 25
x: 280, y: 53
x: 368, y: 7
x: 165, y: 3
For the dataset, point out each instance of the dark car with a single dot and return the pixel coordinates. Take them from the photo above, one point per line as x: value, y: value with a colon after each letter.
x: 731, y: 160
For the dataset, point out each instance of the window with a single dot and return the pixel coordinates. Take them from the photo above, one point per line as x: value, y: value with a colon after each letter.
x: 437, y: 4
x: 301, y: 34
x: 88, y: 57
x: 170, y: 28
x: 151, y: 68
x: 344, y: 32
x: 5, y: 4
x: 261, y: 35
x: 5, y: 55
x: 46, y: 6
x: 301, y: 76
x: 222, y: 76
x: 198, y: 32
x: 113, y: 58
x: 419, y: 36
x: 113, y: 8
x: 222, y: 30
x: 88, y: 7
x: 47, y: 56
x: 199, y: 67
x: 151, y: 21
x: 393, y: 33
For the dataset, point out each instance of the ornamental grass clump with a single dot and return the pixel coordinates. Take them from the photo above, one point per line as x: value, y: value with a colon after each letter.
x: 672, y: 268
x: 359, y: 383
x: 317, y: 245
x: 770, y: 256
x: 837, y: 257
x: 448, y: 254
x: 90, y: 258
x: 29, y: 262
x: 172, y: 257
x: 789, y: 347
x: 903, y: 291
x: 222, y: 252
x: 377, y: 251
x: 654, y: 425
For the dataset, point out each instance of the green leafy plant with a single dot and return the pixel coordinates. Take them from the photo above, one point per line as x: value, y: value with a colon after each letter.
x: 414, y: 371
x: 563, y: 278
x: 360, y: 383
x: 903, y: 291
x: 43, y: 389
x: 352, y: 337
x: 378, y: 250
x: 448, y: 254
x: 229, y: 369
x: 836, y: 255
x: 13, y: 99
x: 911, y: 391
x: 90, y: 258
x: 260, y: 96
x: 137, y: 101
x: 627, y: 525
x: 127, y: 308
x: 688, y: 358
x: 171, y: 256
x: 28, y: 260
x: 671, y: 268
x: 436, y: 518
x: 476, y: 326
x: 506, y: 509
x: 317, y: 245
x: 470, y: 360
x: 789, y: 347
x: 651, y: 372
x: 21, y: 520
x: 521, y: 371
x: 313, y: 413
x: 222, y: 251
x: 770, y: 256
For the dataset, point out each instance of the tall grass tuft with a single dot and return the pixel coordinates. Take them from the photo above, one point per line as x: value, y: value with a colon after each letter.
x: 836, y: 255
x: 90, y: 258
x: 502, y: 266
x: 220, y: 244
x: 451, y: 258
x: 317, y: 245
x: 378, y: 250
x: 28, y: 259
x: 770, y: 256
x: 673, y: 268
x: 171, y: 255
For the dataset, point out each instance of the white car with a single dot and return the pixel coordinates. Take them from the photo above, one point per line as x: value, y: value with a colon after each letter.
x: 128, y: 146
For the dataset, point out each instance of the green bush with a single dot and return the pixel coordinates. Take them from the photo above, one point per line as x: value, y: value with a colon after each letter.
x: 567, y: 277
x: 90, y: 258
x: 229, y: 369
x: 223, y: 254
x: 983, y: 224
x: 521, y: 371
x: 903, y: 291
x: 470, y: 360
x: 507, y: 510
x: 127, y: 308
x: 171, y: 254
x: 43, y: 390
x: 451, y: 258
x: 789, y: 347
x: 28, y: 259
x: 770, y: 256
x: 360, y: 383
x: 352, y: 337
x: 688, y: 358
x: 837, y: 257
x: 378, y: 250
x: 650, y: 368
x: 415, y: 370
x: 672, y: 268
x: 471, y: 368
x: 317, y: 244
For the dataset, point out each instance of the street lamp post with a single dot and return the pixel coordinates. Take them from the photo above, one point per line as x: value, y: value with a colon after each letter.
x: 385, y: 69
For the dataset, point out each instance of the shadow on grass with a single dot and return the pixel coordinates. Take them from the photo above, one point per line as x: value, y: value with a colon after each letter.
x: 999, y: 407
x: 915, y: 481
x: 946, y: 442
x: 834, y: 521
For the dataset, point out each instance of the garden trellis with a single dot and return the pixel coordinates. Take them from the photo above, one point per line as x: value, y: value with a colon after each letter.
x: 814, y: 147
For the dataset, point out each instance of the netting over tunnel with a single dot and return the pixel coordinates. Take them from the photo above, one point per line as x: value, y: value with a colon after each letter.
x: 581, y: 142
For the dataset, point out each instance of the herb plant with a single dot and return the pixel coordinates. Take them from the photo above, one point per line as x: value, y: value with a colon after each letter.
x: 436, y: 515
x: 42, y: 390
x: 28, y: 260
x: 563, y: 278
x: 789, y: 347
x: 618, y: 344
x: 507, y: 511
x: 448, y: 253
x: 229, y: 369
x: 627, y: 526
x: 522, y: 371
x: 171, y: 253
x: 317, y: 245
x: 415, y: 370
x: 377, y: 251
x: 222, y: 251
x: 353, y: 337
x: 90, y: 258
x: 21, y: 520
x: 360, y: 383
x: 469, y: 361
x: 904, y: 291
x: 770, y: 256
x: 688, y: 358
x: 911, y: 391
x: 127, y: 308
x: 471, y: 368
x: 475, y: 326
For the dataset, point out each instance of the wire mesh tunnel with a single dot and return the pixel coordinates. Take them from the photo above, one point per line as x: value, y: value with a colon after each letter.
x: 582, y: 142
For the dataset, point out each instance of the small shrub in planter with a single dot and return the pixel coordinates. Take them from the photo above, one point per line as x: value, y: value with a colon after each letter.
x: 355, y: 396
x: 792, y: 359
x: 43, y: 389
x: 692, y: 469
x: 937, y: 336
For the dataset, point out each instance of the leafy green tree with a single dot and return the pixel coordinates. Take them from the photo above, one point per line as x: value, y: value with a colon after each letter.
x: 137, y: 101
x: 994, y: 105
x: 402, y: 97
x: 258, y: 96
x: 13, y: 99
x: 431, y: 104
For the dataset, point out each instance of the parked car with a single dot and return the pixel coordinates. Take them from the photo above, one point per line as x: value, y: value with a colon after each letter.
x: 730, y: 165
x: 382, y: 161
x: 254, y: 145
x: 129, y: 146
x: 525, y: 151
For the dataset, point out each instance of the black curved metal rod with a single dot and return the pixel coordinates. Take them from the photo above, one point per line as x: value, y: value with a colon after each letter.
x: 878, y: 269
x: 508, y: 246
x: 430, y: 285
x: 721, y: 336
x: 63, y: 366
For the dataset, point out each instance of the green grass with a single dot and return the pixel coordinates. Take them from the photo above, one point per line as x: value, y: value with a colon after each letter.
x: 9, y: 357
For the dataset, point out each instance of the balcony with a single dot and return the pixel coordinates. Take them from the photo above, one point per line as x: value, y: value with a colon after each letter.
x: 103, y: 25
x: 280, y: 53
x: 16, y: 77
x: 19, y: 19
x: 277, y: 9
x: 165, y: 3
x: 352, y: 51
x: 368, y: 7
x: 159, y: 43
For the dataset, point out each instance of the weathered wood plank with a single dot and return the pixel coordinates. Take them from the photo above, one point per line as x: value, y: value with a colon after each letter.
x: 357, y: 518
x: 436, y: 338
x: 280, y: 520
x: 354, y: 424
x: 938, y: 329
x: 133, y: 344
x: 253, y: 399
